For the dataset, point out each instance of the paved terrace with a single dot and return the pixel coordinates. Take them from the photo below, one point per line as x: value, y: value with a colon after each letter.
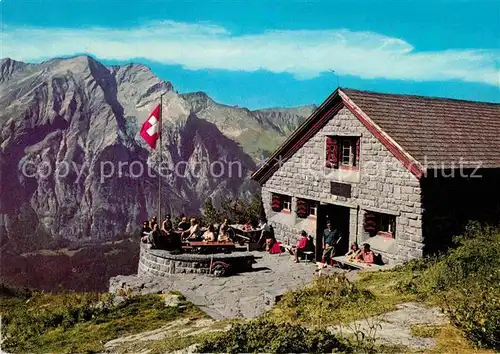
x: 245, y: 295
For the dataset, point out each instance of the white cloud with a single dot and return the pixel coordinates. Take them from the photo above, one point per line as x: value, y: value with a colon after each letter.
x: 303, y: 53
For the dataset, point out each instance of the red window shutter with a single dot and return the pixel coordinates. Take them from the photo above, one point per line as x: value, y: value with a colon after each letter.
x: 357, y: 151
x: 301, y: 208
x: 276, y: 203
x: 328, y: 149
x: 332, y: 152
x: 335, y: 152
x: 370, y: 225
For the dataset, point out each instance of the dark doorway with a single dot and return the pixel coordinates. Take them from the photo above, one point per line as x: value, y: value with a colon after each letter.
x: 339, y: 217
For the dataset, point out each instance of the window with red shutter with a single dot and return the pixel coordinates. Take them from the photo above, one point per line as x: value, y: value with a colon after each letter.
x: 342, y: 152
x: 306, y: 208
x: 280, y: 202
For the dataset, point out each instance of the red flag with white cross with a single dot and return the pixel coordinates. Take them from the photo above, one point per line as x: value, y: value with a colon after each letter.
x: 150, y: 130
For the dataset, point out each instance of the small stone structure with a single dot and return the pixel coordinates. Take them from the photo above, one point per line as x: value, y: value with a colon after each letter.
x: 161, y: 263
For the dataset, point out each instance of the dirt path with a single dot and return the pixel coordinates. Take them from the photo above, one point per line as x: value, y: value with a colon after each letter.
x: 394, y: 328
x: 145, y: 342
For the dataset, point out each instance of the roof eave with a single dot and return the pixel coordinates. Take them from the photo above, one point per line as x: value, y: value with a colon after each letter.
x: 256, y: 176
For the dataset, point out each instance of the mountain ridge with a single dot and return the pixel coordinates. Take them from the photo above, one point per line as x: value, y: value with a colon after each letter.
x: 80, y: 113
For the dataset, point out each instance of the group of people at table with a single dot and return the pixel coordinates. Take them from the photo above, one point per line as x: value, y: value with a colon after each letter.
x: 169, y: 237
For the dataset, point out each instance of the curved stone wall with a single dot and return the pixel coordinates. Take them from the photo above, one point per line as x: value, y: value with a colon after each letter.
x: 161, y: 263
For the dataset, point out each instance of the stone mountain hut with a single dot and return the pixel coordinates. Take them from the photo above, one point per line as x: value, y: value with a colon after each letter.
x: 402, y: 173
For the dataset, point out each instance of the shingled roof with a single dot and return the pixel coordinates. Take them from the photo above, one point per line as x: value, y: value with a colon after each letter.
x: 439, y: 129
x: 423, y: 132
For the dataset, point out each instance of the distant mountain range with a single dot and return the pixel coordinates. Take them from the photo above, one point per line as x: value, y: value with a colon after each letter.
x: 65, y: 124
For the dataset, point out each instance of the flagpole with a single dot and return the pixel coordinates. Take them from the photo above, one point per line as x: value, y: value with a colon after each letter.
x: 160, y: 160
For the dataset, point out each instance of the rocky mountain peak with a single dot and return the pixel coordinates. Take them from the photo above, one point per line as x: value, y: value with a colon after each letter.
x: 198, y: 100
x: 8, y: 66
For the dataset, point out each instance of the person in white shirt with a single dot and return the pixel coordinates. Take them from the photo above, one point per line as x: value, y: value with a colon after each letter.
x: 265, y: 229
x: 224, y: 231
x: 194, y: 232
x: 209, y: 235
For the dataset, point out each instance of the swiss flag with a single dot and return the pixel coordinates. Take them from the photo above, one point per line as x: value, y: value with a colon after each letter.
x: 150, y: 129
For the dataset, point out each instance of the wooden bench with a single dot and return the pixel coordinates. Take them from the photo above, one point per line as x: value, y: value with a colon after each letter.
x: 289, y: 247
x: 308, y: 254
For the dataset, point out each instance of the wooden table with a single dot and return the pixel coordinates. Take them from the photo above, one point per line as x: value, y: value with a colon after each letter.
x: 211, y: 244
x: 248, y: 235
x: 355, y: 264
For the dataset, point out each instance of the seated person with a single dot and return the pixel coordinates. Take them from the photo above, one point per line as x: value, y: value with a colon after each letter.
x: 209, y: 235
x: 366, y: 255
x: 145, y: 229
x: 167, y: 224
x: 153, y: 237
x: 152, y: 223
x: 224, y: 231
x: 301, y: 246
x: 193, y: 233
x: 172, y: 242
x: 269, y: 243
x: 310, y: 244
x: 265, y: 229
x: 273, y: 246
x: 353, y: 252
x: 183, y: 224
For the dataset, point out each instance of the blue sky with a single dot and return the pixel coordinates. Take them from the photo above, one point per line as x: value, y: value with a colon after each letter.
x: 274, y: 53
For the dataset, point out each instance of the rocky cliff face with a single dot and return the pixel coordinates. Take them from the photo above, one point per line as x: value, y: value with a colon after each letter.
x: 258, y: 132
x: 72, y: 166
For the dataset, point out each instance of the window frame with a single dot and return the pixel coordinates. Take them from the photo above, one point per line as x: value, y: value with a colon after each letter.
x: 284, y: 201
x: 315, y: 208
x: 351, y: 155
x: 381, y: 219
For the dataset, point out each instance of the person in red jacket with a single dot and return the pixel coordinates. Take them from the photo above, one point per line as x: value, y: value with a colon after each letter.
x: 273, y: 246
x: 301, y: 246
x: 366, y: 255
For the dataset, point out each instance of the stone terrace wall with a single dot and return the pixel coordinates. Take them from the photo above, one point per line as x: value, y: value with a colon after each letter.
x: 382, y: 185
x: 161, y: 263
